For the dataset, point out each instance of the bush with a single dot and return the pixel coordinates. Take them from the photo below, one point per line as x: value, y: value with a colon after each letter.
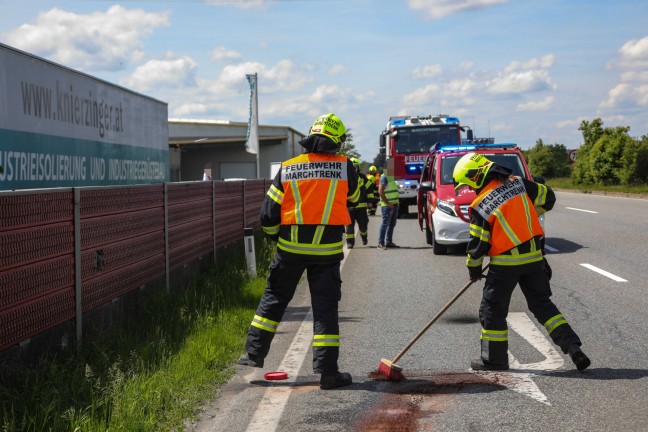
x: 548, y: 160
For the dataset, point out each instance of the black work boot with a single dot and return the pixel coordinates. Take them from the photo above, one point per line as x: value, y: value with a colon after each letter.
x: 364, y: 241
x: 250, y: 360
x: 335, y: 379
x: 579, y: 358
x: 481, y: 365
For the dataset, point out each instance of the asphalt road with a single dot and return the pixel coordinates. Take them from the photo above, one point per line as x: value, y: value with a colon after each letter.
x: 388, y: 296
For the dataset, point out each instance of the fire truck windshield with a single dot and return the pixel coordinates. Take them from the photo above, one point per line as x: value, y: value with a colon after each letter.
x: 419, y: 139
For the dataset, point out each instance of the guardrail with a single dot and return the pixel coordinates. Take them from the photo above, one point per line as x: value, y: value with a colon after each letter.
x: 65, y: 252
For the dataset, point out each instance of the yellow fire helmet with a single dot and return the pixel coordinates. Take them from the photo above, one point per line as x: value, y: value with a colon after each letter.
x: 355, y: 161
x: 330, y: 126
x: 471, y: 171
x: 373, y: 169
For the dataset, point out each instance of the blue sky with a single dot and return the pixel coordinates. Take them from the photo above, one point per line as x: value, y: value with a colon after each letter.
x: 518, y: 70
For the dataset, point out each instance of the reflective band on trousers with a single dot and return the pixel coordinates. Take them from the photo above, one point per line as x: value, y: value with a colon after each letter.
x: 265, y: 324
x: 494, y: 335
x: 326, y: 340
x: 554, y: 322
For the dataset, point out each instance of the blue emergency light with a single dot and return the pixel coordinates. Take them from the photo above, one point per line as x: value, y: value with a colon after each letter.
x: 451, y: 148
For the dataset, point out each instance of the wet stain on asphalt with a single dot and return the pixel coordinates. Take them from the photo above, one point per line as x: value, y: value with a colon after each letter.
x: 410, y: 405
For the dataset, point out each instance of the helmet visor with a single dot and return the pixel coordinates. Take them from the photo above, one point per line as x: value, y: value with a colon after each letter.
x: 460, y: 188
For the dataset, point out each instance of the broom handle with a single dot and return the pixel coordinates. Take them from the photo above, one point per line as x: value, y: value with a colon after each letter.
x: 436, y: 317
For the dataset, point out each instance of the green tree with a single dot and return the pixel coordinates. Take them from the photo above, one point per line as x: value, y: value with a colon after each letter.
x: 348, y: 148
x: 606, y: 158
x: 593, y: 158
x: 380, y: 161
x: 635, y: 162
x: 548, y: 160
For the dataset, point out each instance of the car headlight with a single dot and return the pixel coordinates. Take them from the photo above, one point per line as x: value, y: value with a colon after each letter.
x: 446, y: 207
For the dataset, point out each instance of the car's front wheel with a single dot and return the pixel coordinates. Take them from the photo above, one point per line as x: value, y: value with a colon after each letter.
x: 437, y: 248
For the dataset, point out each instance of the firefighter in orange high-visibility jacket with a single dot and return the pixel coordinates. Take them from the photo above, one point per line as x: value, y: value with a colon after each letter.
x: 504, y: 225
x: 305, y: 212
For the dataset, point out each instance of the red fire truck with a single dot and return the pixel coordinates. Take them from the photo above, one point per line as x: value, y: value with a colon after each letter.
x: 408, y: 141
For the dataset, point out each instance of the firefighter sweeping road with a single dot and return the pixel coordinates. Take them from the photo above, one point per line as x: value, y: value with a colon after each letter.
x: 596, y: 246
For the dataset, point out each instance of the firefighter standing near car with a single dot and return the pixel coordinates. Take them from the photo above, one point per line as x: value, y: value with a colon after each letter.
x: 388, y: 191
x: 372, y: 190
x: 504, y: 225
x: 305, y: 212
x: 358, y: 211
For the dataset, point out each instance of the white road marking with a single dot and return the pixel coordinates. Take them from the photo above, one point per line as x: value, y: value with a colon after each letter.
x: 519, y: 380
x: 521, y: 324
x: 268, y: 413
x: 550, y: 249
x: 604, y: 273
x: 581, y: 210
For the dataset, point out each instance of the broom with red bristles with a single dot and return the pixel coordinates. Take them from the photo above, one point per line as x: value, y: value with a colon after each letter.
x: 393, y: 372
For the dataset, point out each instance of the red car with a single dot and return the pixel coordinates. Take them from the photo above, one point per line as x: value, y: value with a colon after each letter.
x: 443, y: 215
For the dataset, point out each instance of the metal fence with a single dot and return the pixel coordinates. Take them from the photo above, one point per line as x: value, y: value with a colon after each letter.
x: 64, y: 252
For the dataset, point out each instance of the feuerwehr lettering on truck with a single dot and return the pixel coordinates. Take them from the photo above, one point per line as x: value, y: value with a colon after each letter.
x: 63, y: 128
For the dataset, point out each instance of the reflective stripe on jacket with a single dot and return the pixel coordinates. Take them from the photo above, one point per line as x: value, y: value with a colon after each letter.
x: 513, y: 221
x: 315, y: 190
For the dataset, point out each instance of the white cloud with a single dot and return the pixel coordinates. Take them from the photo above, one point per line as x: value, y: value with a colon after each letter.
x: 324, y: 98
x: 516, y: 78
x: 227, y: 96
x: 330, y: 93
x: 284, y: 76
x: 632, y: 90
x: 429, y: 71
x: 466, y: 66
x: 626, y: 95
x: 634, y: 53
x: 422, y: 96
x: 441, y: 8
x: 571, y: 124
x: 96, y: 41
x: 189, y: 109
x: 519, y: 77
x: 170, y: 72
x: 221, y: 53
x: 337, y: 69
x: 543, y: 105
x: 502, y: 127
x: 241, y: 4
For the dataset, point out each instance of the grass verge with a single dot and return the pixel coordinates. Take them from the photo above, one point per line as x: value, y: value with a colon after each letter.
x: 566, y: 183
x: 149, y: 375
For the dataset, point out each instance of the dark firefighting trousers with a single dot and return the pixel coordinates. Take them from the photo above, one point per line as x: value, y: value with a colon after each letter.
x: 374, y: 205
x: 498, y: 288
x: 357, y: 215
x: 325, y: 290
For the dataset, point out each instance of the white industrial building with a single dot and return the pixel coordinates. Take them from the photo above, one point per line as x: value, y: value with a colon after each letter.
x: 218, y: 147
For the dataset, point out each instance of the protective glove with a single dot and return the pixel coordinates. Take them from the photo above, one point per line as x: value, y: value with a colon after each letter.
x: 547, y: 268
x: 475, y: 273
